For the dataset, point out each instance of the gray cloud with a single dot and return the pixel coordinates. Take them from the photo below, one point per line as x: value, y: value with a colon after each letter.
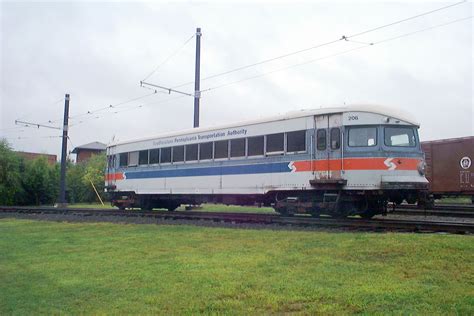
x: 98, y: 52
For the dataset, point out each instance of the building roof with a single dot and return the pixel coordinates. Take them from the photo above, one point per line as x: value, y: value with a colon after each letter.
x: 94, y: 146
x: 378, y: 109
x: 31, y: 155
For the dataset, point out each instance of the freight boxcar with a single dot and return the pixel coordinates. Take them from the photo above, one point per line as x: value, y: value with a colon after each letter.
x: 449, y: 169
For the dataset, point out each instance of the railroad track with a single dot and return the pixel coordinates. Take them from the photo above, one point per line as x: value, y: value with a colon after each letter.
x: 255, y: 218
x: 439, y: 210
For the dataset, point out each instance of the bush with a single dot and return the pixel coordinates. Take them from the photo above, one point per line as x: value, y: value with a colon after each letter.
x: 36, y: 182
x: 11, y: 189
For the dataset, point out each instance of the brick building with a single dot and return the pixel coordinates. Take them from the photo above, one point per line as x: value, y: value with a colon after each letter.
x: 84, y: 152
x: 31, y: 156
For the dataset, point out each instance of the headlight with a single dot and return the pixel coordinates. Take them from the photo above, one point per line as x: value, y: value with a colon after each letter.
x: 422, y: 168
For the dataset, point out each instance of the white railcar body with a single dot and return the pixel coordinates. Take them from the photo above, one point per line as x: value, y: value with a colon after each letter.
x: 357, y: 148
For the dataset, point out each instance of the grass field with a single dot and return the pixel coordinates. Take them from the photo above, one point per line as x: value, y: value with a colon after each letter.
x: 103, y: 268
x: 455, y: 200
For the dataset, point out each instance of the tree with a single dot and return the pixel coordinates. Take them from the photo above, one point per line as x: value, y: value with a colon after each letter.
x: 10, y: 179
x: 95, y: 173
x: 76, y: 190
x: 40, y: 182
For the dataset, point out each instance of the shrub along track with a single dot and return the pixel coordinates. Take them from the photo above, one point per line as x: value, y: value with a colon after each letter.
x: 252, y: 220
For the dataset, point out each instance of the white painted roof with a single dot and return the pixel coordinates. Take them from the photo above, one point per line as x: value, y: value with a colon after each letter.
x: 377, y: 109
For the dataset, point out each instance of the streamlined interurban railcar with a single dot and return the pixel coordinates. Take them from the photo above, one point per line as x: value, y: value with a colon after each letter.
x: 337, y: 161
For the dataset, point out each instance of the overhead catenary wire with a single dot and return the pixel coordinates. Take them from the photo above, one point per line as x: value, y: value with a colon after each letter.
x: 284, y: 68
x: 408, y: 19
x: 32, y: 137
x: 168, y: 58
x: 90, y: 112
x: 287, y: 55
x: 324, y: 44
x: 133, y: 107
x: 113, y: 105
x: 28, y: 114
x: 365, y: 45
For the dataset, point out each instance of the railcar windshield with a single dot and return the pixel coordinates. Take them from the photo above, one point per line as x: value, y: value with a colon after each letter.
x: 399, y: 136
x: 362, y: 136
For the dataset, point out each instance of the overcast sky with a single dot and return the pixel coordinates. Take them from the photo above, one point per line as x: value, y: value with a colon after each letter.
x: 99, y: 52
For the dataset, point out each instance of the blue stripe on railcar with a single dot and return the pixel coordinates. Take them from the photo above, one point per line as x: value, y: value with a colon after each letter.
x: 211, y: 171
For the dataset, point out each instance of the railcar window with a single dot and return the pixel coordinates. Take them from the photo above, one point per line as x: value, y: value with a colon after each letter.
x: 275, y: 143
x: 255, y: 146
x: 221, y: 149
x: 362, y: 136
x: 178, y: 153
x: 335, y: 138
x: 133, y: 158
x: 296, y: 141
x: 123, y: 160
x: 143, y: 157
x: 165, y: 156
x: 154, y: 156
x: 321, y: 139
x: 205, y: 151
x: 237, y: 147
x: 191, y: 152
x: 399, y: 136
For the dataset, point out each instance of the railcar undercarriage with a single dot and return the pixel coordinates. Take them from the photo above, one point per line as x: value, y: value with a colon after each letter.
x: 336, y: 203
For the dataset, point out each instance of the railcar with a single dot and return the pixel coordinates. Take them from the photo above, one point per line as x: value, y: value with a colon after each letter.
x: 339, y: 161
x: 449, y: 167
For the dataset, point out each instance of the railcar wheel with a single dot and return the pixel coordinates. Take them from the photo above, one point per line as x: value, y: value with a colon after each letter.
x: 368, y: 214
x: 283, y: 211
x: 397, y: 200
x: 172, y: 206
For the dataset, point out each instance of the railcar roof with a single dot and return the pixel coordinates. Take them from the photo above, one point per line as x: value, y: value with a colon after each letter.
x: 377, y: 109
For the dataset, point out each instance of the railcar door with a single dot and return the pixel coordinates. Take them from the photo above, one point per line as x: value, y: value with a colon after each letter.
x: 111, y: 161
x: 328, y: 164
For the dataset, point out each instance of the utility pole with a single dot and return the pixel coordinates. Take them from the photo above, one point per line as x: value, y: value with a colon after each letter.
x: 197, y: 92
x: 197, y: 78
x: 62, y: 183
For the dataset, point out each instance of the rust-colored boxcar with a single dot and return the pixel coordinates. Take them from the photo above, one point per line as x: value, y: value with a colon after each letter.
x: 450, y: 166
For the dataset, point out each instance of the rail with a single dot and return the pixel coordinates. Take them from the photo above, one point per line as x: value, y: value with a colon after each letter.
x: 255, y: 218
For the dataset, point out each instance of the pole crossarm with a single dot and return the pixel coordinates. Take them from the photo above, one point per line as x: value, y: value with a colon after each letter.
x: 165, y: 88
x: 28, y: 124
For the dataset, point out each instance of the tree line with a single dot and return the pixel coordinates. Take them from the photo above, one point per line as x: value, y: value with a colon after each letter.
x: 36, y: 182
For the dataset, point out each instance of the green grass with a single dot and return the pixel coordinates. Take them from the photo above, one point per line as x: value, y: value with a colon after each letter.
x: 103, y: 268
x: 455, y: 200
x: 92, y: 205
